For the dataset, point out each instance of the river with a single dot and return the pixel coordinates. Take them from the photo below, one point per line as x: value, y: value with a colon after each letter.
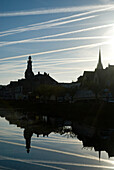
x: 41, y: 142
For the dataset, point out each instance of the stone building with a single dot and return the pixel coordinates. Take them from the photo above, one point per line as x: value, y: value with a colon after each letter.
x: 87, y: 85
x: 22, y: 88
x: 31, y: 81
x: 99, y: 79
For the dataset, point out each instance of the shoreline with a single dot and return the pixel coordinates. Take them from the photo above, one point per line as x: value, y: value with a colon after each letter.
x: 96, y: 113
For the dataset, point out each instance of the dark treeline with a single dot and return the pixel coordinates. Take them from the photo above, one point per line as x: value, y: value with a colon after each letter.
x: 95, y: 113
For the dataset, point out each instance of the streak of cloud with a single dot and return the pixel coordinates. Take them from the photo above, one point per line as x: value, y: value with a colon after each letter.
x: 53, y: 40
x: 56, y: 51
x: 47, y: 26
x: 55, y: 10
x: 48, y: 65
x: 56, y: 35
x: 21, y: 29
x: 77, y: 31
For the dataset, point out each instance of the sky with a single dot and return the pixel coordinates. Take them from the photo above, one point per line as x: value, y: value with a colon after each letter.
x: 63, y: 37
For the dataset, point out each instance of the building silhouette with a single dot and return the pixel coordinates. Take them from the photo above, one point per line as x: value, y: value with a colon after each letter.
x: 98, y: 80
x: 99, y: 65
x: 91, y: 84
x: 29, y: 73
x: 23, y: 87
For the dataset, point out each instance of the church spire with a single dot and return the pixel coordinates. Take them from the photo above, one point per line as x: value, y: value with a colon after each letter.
x: 29, y: 73
x: 99, y: 65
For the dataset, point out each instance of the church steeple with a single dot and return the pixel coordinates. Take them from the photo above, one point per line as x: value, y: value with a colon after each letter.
x: 99, y: 65
x: 29, y: 73
x: 29, y: 66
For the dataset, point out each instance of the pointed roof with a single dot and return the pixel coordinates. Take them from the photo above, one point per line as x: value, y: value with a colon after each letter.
x: 29, y: 73
x: 99, y: 65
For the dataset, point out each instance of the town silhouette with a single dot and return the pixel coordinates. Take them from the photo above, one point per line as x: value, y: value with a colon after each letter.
x: 57, y: 84
x: 81, y: 109
x: 92, y: 85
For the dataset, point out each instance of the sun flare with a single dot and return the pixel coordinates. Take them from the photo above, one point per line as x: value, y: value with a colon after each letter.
x: 111, y: 52
x: 110, y: 47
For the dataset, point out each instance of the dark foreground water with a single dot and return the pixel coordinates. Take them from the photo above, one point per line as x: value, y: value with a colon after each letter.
x: 52, y: 143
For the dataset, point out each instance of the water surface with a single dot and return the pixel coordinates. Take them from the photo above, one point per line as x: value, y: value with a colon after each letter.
x: 37, y: 143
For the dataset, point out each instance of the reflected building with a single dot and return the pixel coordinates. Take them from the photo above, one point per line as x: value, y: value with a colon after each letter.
x: 97, y: 138
x: 27, y: 135
x: 92, y: 137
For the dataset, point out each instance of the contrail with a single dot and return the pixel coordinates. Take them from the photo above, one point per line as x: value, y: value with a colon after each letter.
x: 46, y: 26
x: 14, y: 31
x: 53, y: 40
x: 71, y: 32
x: 45, y: 64
x: 77, y: 31
x: 56, y: 35
x: 55, y: 10
x: 55, y: 51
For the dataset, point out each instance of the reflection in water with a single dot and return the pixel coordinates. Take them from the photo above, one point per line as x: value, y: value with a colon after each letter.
x: 27, y: 135
x: 99, y: 139
x: 91, y: 137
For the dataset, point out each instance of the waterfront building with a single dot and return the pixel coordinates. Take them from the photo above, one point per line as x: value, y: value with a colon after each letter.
x: 22, y: 88
x: 98, y: 80
x: 90, y: 85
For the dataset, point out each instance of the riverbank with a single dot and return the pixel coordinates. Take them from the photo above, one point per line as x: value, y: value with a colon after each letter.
x: 91, y: 112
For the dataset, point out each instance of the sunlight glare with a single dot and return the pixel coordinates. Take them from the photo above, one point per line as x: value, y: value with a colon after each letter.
x: 110, y: 47
x: 112, y: 162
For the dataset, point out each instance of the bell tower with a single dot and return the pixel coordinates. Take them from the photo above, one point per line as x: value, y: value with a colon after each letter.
x: 29, y: 73
x: 99, y: 65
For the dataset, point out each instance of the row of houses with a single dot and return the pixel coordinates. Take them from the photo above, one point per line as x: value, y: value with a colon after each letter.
x: 88, y: 86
